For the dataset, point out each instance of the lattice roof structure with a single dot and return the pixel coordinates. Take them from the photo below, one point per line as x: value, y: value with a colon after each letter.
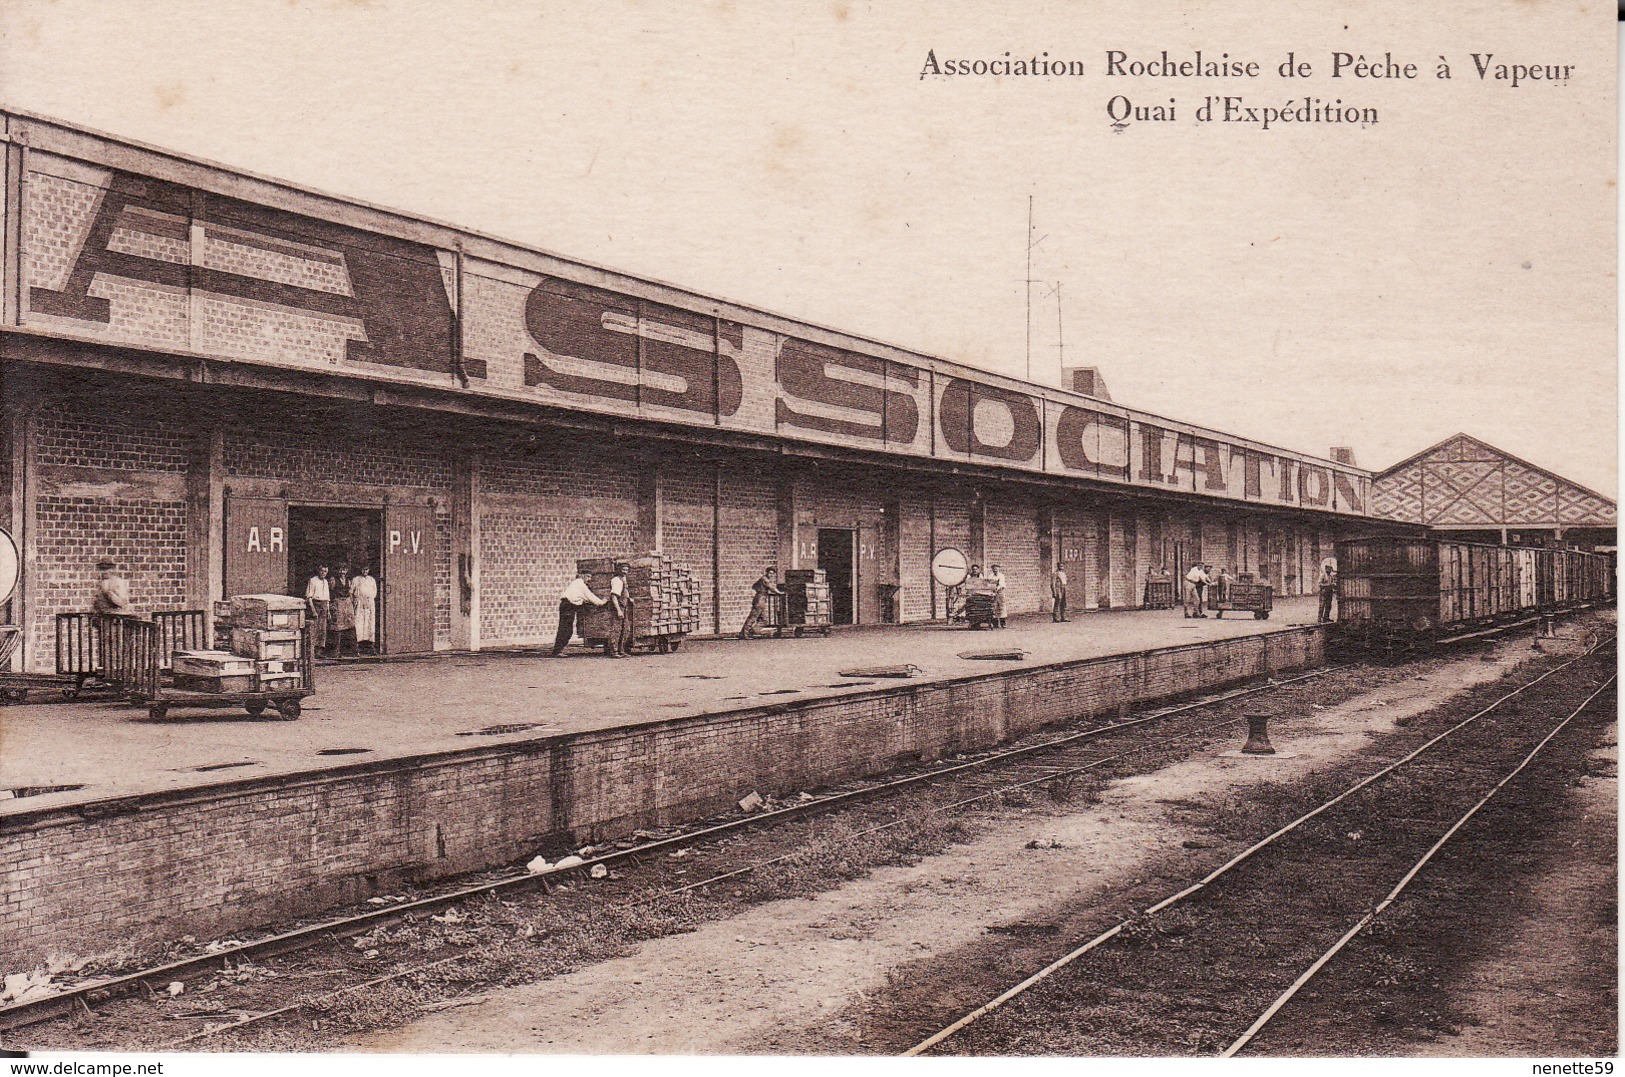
x: 1465, y: 483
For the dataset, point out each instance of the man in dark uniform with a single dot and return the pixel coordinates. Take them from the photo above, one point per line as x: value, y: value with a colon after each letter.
x: 766, y: 584
x: 1328, y: 589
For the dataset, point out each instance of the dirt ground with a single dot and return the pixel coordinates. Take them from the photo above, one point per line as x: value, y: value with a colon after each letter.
x: 1548, y: 990
x: 781, y: 976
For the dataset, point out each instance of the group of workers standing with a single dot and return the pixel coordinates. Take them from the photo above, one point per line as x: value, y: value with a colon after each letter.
x: 343, y: 610
x: 1201, y: 578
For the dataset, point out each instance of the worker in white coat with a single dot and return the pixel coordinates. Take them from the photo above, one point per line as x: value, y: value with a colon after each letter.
x: 364, y: 593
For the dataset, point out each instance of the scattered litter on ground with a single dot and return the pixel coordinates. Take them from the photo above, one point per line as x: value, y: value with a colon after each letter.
x: 751, y: 803
x: 568, y: 862
x: 599, y: 871
x: 538, y: 865
x: 26, y: 986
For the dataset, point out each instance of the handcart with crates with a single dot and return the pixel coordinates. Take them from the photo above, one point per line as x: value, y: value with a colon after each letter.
x: 979, y: 602
x: 263, y: 658
x: 807, y: 603
x: 1241, y: 595
x: 663, y: 596
x: 1160, y: 593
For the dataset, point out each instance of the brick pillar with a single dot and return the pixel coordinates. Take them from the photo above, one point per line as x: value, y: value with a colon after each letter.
x: 19, y: 426
x: 978, y: 531
x: 1046, y: 555
x: 465, y: 545
x: 789, y: 544
x: 651, y: 506
x: 205, y: 520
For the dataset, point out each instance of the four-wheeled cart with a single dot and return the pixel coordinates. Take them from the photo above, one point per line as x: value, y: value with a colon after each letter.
x: 980, y: 605
x: 807, y: 603
x: 1241, y: 596
x: 596, y: 623
x: 1159, y: 591
x: 157, y: 685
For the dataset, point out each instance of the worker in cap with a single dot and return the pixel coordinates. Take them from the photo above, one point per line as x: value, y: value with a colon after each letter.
x: 1328, y: 589
x: 619, y: 641
x: 112, y: 593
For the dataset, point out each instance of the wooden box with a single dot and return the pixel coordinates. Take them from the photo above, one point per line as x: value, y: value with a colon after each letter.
x: 264, y: 644
x: 237, y: 683
x: 268, y: 612
x: 210, y: 664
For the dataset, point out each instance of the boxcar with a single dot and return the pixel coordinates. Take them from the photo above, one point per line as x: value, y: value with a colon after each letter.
x: 1404, y: 589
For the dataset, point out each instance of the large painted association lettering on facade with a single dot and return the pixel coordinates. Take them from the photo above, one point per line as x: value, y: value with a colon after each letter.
x: 132, y: 259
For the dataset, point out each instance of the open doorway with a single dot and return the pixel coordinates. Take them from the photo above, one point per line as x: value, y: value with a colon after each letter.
x: 343, y: 539
x: 836, y: 546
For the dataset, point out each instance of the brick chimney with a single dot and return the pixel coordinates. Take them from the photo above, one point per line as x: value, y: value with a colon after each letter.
x: 1343, y: 454
x: 1087, y: 380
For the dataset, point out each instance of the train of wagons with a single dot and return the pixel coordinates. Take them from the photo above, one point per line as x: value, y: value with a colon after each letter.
x: 1409, y: 591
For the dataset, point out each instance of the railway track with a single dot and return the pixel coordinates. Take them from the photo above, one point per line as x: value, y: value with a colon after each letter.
x: 1411, y: 766
x: 1043, y: 760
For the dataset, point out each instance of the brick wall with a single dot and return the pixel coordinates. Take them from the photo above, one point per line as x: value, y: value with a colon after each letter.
x: 538, y: 517
x: 914, y: 557
x: 144, y: 870
x: 688, y: 494
x: 1012, y: 544
x: 750, y: 539
x: 108, y: 507
x: 359, y: 454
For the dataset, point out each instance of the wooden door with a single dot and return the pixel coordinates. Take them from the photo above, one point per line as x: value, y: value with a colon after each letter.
x: 408, y: 583
x: 256, y: 546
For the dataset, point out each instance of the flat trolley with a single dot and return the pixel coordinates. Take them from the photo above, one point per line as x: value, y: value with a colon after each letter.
x: 143, y: 655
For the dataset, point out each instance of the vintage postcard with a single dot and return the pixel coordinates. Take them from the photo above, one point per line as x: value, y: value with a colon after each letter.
x: 841, y: 529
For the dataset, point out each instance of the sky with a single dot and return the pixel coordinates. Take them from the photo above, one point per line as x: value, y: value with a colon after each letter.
x: 1448, y: 268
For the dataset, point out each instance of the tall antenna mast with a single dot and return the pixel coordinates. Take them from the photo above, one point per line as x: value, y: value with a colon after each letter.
x: 1060, y: 327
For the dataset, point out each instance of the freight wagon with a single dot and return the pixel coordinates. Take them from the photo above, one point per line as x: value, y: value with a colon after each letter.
x: 1408, y: 592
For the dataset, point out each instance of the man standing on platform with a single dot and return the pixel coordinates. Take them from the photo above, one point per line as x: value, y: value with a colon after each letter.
x: 1057, y: 591
x: 575, y: 595
x: 767, y: 584
x: 319, y: 598
x: 112, y: 593
x: 364, y: 593
x: 619, y: 643
x: 1328, y: 589
x: 1198, y: 578
x: 996, y: 578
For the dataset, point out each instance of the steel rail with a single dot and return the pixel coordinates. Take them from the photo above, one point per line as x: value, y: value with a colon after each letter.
x: 248, y: 1019
x: 1067, y: 959
x: 1399, y: 888
x: 18, y: 1015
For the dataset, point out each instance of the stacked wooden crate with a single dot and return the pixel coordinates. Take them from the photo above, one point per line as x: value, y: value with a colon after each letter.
x: 257, y: 645
x: 665, y: 596
x: 807, y: 591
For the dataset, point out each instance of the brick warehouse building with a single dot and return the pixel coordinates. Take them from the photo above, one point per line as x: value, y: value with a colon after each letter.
x: 219, y: 379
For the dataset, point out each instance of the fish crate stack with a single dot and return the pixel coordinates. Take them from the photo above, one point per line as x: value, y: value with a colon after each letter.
x: 665, y: 596
x: 807, y: 599
x: 257, y: 645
